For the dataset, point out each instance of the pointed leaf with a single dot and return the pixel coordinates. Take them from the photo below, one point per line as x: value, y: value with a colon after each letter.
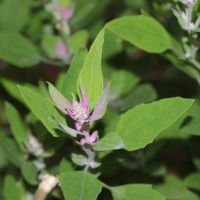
x: 135, y: 192
x: 71, y: 77
x: 67, y: 129
x: 101, y: 106
x: 60, y: 101
x: 42, y: 109
x: 79, y: 159
x: 18, y: 128
x: 91, y: 78
x: 140, y: 125
x: 80, y: 186
x: 144, y: 32
x: 18, y: 50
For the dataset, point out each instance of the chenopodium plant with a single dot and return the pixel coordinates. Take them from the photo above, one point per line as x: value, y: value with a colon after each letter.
x: 83, y: 118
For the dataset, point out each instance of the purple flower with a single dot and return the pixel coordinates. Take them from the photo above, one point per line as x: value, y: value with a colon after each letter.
x: 79, y: 111
x: 62, y: 13
x: 62, y: 52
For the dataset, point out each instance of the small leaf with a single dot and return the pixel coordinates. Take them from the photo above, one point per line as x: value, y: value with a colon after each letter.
x: 193, y: 181
x: 111, y: 141
x: 67, y: 129
x: 60, y: 101
x: 91, y: 78
x: 29, y: 172
x: 18, y: 128
x: 10, y: 150
x: 18, y: 50
x: 144, y: 32
x: 80, y: 185
x: 135, y: 192
x: 101, y: 105
x: 79, y: 159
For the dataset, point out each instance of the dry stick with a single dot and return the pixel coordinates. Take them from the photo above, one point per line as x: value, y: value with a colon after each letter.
x: 45, y: 187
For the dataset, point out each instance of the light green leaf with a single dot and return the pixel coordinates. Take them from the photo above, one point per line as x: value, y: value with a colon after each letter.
x: 139, y: 126
x: 192, y: 125
x: 71, y: 77
x: 79, y: 159
x: 14, y: 14
x: 49, y: 45
x: 193, y: 181
x: 111, y: 141
x: 80, y: 186
x: 65, y: 166
x: 11, y: 88
x: 12, y: 189
x: 42, y: 108
x: 78, y: 39
x: 91, y: 78
x: 29, y: 173
x: 144, y: 32
x: 135, y: 192
x: 18, y: 128
x: 18, y: 50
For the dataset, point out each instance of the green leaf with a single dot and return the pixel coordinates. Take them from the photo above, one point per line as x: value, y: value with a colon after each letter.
x: 65, y: 166
x: 13, y: 189
x: 135, y: 192
x: 14, y: 14
x: 144, y: 93
x: 69, y: 84
x: 18, y: 128
x: 174, y: 188
x: 79, y: 159
x: 80, y: 186
x: 29, y: 172
x: 49, y: 45
x: 78, y: 39
x: 91, y: 78
x: 18, y: 50
x: 10, y: 150
x: 11, y: 88
x: 140, y: 125
x: 191, y: 125
x: 42, y: 108
x: 111, y: 141
x: 193, y: 181
x: 144, y: 32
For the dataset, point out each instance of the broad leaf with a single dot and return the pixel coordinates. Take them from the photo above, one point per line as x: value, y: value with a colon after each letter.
x: 42, y: 108
x: 18, y: 128
x: 80, y: 186
x: 140, y: 125
x: 20, y: 9
x: 91, y: 78
x: 18, y: 50
x: 144, y: 32
x: 135, y: 192
x: 71, y: 77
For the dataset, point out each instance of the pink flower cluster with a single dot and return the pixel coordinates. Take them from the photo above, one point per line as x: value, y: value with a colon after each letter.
x: 79, y: 111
